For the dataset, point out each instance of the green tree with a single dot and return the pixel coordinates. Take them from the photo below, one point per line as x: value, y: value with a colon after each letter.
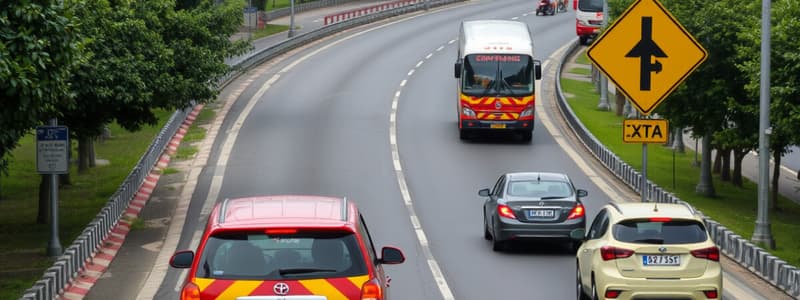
x: 784, y: 76
x: 38, y: 49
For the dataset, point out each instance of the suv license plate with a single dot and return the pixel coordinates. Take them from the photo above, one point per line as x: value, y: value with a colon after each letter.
x: 661, y: 260
x: 541, y: 213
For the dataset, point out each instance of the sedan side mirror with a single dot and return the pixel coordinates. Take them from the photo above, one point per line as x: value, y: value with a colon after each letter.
x: 182, y: 259
x: 582, y: 193
x: 483, y: 193
x: 391, y: 256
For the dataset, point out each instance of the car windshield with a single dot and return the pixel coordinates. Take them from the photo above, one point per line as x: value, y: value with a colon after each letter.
x: 256, y: 255
x: 647, y: 231
x: 505, y: 75
x: 539, y: 189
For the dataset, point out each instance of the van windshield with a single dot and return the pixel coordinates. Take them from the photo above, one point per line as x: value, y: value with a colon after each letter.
x: 498, y: 75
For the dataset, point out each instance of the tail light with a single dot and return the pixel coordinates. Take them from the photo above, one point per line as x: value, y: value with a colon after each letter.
x: 712, y: 294
x: 190, y: 292
x: 372, y: 290
x: 577, y: 212
x: 505, y: 211
x: 609, y: 253
x: 710, y: 253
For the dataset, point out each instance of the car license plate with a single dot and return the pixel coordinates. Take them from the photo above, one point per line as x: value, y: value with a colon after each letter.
x: 661, y: 260
x: 541, y: 213
x: 498, y: 125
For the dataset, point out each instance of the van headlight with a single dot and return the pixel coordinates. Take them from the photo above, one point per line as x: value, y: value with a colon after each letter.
x: 526, y: 113
x: 468, y: 112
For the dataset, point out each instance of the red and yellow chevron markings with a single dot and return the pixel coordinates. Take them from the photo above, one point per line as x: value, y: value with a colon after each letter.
x: 491, y: 100
x: 343, y: 288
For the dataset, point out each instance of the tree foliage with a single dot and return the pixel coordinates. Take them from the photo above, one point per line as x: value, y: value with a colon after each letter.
x: 38, y: 49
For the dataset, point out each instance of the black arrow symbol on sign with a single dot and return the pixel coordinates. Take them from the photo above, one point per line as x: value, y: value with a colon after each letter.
x: 644, y: 50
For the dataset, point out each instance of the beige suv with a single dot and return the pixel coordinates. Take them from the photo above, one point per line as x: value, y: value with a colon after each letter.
x: 647, y: 251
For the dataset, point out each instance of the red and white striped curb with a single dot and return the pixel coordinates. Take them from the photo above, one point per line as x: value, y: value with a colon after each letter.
x: 98, y: 264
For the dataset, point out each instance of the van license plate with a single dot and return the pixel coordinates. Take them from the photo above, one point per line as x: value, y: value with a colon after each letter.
x: 498, y: 125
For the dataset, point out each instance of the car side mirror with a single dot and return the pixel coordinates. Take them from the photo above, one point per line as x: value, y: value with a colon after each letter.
x: 483, y: 193
x: 537, y: 69
x: 182, y: 259
x: 457, y: 69
x: 391, y: 256
x: 582, y: 193
x: 578, y: 234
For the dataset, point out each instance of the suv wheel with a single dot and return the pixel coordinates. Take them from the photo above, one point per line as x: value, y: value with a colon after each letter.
x: 594, y: 290
x: 579, y: 285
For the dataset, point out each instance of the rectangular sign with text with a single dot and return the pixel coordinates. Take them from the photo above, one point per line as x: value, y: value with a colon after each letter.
x: 645, y: 131
x: 52, y: 149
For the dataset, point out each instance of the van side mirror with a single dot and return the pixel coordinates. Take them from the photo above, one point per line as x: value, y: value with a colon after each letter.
x: 537, y: 69
x: 457, y: 68
x: 483, y: 193
x: 582, y: 193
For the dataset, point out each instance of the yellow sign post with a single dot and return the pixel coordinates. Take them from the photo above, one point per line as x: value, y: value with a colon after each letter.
x: 647, y: 54
x: 645, y: 131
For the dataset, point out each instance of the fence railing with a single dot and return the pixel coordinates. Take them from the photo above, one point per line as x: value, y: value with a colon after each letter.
x: 67, y: 266
x: 757, y: 260
x: 355, y: 13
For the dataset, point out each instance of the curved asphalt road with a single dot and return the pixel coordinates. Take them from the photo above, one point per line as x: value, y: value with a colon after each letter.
x: 320, y: 124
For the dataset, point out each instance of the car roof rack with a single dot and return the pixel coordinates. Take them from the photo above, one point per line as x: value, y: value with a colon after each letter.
x: 223, y: 210
x: 344, y: 208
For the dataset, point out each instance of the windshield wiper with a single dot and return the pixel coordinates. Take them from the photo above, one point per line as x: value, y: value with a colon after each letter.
x: 291, y: 271
x: 505, y: 83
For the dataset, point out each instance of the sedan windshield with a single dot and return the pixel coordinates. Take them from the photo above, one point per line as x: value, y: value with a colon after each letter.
x: 256, y: 255
x: 505, y: 75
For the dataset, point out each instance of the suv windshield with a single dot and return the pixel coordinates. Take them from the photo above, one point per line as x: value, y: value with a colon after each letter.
x: 660, y: 232
x: 495, y: 74
x: 304, y: 255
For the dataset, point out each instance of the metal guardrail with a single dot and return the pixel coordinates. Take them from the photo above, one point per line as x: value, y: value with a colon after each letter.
x: 85, y: 246
x: 754, y: 258
x: 282, y: 12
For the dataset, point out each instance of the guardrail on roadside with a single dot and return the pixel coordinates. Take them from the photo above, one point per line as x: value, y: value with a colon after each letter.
x: 82, y: 250
x: 354, y: 13
x: 754, y: 258
x: 282, y: 12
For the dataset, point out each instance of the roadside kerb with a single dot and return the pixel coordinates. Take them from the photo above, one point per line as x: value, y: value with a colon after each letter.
x: 755, y: 259
x: 81, y: 253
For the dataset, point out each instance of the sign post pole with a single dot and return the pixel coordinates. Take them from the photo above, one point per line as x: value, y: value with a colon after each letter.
x: 52, y: 158
x: 644, y: 173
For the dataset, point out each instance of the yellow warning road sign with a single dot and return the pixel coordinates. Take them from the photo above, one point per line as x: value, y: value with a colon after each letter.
x: 645, y: 131
x: 647, y: 54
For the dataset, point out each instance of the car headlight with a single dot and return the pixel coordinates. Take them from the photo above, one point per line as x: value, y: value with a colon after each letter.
x: 527, y: 112
x: 468, y: 112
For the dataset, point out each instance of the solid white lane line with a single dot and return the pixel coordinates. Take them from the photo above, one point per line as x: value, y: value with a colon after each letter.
x: 422, y: 239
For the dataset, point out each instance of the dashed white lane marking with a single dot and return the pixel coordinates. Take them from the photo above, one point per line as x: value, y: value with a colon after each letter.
x: 438, y: 276
x: 515, y: 18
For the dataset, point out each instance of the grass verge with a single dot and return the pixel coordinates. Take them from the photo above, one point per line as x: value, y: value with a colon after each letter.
x: 269, y: 29
x: 22, y: 253
x: 735, y: 207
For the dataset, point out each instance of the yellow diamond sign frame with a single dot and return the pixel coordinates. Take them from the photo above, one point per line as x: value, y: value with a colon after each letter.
x: 647, y: 54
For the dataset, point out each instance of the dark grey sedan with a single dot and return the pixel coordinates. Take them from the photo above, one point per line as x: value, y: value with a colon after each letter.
x: 532, y: 206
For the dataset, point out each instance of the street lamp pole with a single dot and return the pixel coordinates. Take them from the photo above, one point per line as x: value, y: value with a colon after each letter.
x: 762, y: 233
x: 291, y: 18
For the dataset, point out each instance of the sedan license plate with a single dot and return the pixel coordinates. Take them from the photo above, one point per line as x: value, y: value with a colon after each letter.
x: 498, y: 125
x: 661, y: 260
x: 541, y: 213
